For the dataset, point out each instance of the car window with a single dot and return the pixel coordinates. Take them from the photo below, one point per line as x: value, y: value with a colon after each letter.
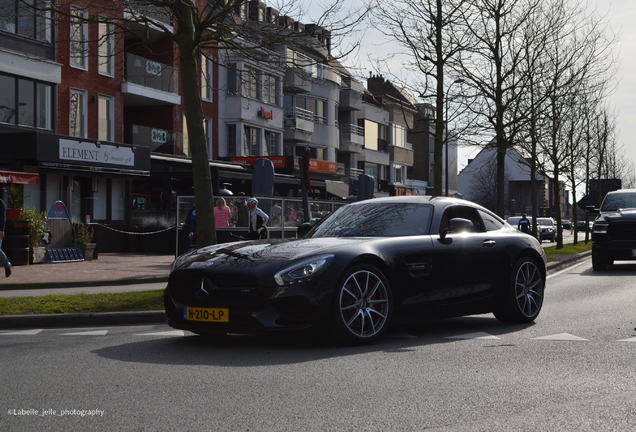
x: 376, y: 220
x: 615, y: 201
x: 545, y: 221
x: 464, y: 212
x: 491, y: 222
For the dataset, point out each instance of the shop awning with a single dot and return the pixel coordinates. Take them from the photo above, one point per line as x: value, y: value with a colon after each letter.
x: 18, y: 177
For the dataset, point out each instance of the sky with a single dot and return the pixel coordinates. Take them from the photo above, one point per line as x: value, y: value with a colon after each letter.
x: 620, y: 15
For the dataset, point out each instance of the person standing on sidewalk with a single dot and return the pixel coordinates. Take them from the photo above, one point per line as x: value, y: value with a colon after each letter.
x: 3, y: 220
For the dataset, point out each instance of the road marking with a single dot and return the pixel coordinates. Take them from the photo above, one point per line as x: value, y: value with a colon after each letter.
x: 628, y: 340
x: 561, y: 337
x: 21, y: 332
x: 88, y: 333
x: 477, y: 335
x: 567, y: 269
x: 165, y: 333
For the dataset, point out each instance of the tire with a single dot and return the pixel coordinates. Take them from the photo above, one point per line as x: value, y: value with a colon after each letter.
x: 598, y: 263
x: 523, y: 298
x: 362, y: 307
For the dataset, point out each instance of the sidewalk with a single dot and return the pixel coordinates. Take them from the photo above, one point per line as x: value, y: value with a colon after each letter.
x: 109, y: 269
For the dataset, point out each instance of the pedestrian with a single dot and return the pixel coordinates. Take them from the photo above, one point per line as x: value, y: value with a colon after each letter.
x: 258, y: 220
x: 524, y: 224
x: 3, y: 220
x: 222, y: 214
x: 243, y: 213
x: 190, y: 226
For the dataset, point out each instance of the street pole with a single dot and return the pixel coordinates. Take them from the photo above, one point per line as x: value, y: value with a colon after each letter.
x: 457, y: 81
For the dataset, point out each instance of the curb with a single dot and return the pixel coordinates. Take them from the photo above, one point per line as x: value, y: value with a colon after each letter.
x: 573, y: 259
x: 80, y: 284
x: 81, y: 320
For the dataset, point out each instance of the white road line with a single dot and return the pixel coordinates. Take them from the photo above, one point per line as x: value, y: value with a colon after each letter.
x: 477, y: 335
x: 561, y: 337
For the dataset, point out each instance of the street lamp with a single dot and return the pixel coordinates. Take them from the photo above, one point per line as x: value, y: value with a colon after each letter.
x: 457, y: 81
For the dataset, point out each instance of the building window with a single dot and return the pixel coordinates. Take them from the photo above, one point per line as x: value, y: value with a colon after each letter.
x: 271, y: 143
x: 371, y: 135
x: 271, y: 85
x: 26, y: 103
x: 233, y: 80
x: 43, y: 106
x: 106, y: 123
x: 252, y: 84
x: 79, y: 44
x: 251, y: 141
x: 186, y: 139
x: 206, y: 78
x: 399, y: 173
x: 317, y: 107
x: 399, y: 135
x: 106, y: 49
x: 77, y: 114
x: 207, y: 126
x: 231, y: 140
x: 30, y: 105
x: 26, y: 18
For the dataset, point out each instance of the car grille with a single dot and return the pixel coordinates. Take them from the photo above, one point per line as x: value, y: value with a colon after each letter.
x: 218, y: 288
x: 622, y: 231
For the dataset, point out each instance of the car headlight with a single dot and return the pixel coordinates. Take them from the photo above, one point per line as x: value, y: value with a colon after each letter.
x: 600, y: 227
x: 303, y: 271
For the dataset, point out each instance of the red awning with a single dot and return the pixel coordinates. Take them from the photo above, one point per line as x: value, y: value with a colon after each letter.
x: 18, y: 177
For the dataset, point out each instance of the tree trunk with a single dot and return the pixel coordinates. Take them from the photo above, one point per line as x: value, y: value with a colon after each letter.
x: 189, y: 75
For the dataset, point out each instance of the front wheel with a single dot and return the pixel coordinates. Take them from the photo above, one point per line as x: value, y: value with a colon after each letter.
x: 362, y: 307
x: 524, y: 296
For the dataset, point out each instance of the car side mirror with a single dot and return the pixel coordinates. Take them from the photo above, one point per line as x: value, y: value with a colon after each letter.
x: 457, y: 225
x: 303, y: 229
x: 592, y: 210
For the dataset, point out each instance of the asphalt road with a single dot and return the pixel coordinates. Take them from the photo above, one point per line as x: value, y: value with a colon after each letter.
x: 572, y: 370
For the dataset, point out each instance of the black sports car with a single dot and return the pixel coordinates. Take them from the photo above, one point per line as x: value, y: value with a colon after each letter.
x: 364, y: 267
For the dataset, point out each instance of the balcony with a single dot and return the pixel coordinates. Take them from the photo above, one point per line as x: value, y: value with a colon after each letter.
x: 159, y: 140
x: 402, y: 155
x: 296, y: 80
x: 299, y: 125
x: 351, y: 138
x: 149, y: 83
x: 351, y: 95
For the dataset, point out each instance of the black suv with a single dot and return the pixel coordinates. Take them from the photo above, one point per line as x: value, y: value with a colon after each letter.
x: 614, y: 229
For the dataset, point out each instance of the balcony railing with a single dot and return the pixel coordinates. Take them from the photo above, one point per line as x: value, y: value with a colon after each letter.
x: 159, y: 140
x: 146, y: 10
x: 300, y: 119
x: 151, y: 74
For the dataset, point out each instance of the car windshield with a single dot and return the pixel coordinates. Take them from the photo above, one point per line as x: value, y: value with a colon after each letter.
x: 545, y: 222
x: 613, y: 202
x: 376, y: 220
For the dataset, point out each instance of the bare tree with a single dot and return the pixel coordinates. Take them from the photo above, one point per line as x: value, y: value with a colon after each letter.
x: 426, y: 32
x: 491, y: 64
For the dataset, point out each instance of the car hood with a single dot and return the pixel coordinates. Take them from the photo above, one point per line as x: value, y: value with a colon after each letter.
x: 261, y: 253
x: 619, y: 214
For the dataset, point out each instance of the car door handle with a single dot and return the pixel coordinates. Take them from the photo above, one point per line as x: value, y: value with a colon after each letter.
x: 489, y: 243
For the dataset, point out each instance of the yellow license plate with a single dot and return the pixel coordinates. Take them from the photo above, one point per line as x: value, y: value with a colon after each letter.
x: 206, y: 314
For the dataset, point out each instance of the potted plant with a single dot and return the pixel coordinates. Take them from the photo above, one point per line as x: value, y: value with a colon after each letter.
x: 14, y: 201
x: 85, y: 243
x: 37, y: 228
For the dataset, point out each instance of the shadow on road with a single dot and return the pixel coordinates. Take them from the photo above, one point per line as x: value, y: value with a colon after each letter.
x: 249, y: 351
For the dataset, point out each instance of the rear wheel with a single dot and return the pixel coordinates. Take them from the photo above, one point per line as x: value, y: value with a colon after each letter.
x: 362, y: 307
x: 524, y: 297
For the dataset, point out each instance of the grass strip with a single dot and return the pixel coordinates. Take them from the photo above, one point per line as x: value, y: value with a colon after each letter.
x: 83, y: 303
x: 553, y: 253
